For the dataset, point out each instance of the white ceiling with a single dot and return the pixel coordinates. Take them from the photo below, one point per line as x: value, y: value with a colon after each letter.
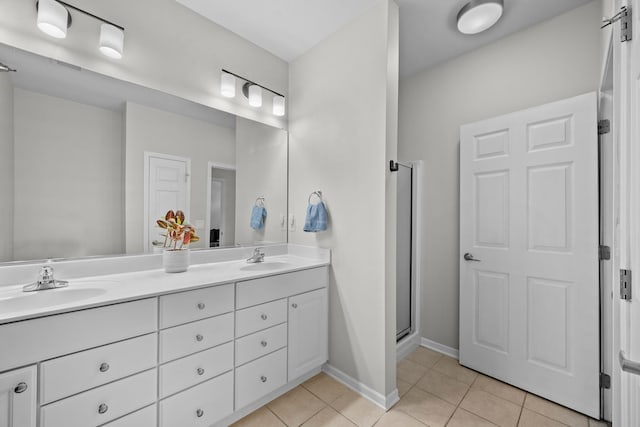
x: 288, y: 28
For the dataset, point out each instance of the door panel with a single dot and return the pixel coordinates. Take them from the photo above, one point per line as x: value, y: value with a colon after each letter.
x: 529, y: 307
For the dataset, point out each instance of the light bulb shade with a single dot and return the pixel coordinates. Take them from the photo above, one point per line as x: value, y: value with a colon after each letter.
x: 479, y: 15
x: 228, y: 85
x: 255, y: 96
x: 53, y: 18
x: 278, y: 105
x: 111, y: 41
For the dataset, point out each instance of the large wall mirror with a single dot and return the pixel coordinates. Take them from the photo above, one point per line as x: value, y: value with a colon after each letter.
x: 96, y: 161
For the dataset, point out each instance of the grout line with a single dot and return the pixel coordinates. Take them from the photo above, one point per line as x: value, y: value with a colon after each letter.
x: 274, y: 414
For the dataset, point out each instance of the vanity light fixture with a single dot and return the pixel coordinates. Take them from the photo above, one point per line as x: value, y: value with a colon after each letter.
x: 479, y: 15
x: 54, y: 19
x: 6, y: 69
x: 252, y: 91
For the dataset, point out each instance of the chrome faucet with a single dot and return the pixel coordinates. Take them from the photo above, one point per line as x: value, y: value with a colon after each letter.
x: 258, y: 256
x: 45, y: 281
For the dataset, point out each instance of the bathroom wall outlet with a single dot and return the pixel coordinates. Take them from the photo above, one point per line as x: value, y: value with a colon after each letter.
x: 292, y: 222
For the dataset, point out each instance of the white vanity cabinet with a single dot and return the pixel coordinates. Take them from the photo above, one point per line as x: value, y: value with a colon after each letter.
x: 18, y: 403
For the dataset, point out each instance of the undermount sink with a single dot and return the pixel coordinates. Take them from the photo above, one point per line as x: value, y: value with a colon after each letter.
x: 51, y: 297
x: 265, y: 266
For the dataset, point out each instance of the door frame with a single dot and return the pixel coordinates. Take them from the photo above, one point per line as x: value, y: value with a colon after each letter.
x: 148, y: 155
x: 413, y: 340
x: 207, y: 217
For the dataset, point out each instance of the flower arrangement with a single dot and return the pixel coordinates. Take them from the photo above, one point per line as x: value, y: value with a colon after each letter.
x: 178, y: 233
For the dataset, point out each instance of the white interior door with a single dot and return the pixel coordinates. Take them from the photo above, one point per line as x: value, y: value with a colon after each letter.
x: 529, y: 306
x: 167, y: 188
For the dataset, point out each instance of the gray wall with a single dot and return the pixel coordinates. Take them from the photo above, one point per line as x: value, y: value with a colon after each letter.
x: 6, y: 166
x: 553, y: 60
x: 339, y: 100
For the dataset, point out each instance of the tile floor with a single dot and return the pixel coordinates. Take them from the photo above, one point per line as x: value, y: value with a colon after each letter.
x: 434, y: 391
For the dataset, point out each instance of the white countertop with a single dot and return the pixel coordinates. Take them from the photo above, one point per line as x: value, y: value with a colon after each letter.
x: 87, y: 292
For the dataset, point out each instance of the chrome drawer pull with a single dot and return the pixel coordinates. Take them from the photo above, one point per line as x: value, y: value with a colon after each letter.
x: 200, y: 371
x: 199, y: 337
x: 263, y: 343
x: 201, y: 306
x: 20, y: 388
x: 103, y: 408
x: 199, y: 413
x: 263, y: 379
x: 263, y: 316
x: 294, y: 305
x: 104, y: 367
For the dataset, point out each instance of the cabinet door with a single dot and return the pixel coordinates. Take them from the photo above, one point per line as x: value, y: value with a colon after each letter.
x: 18, y: 398
x: 308, y: 324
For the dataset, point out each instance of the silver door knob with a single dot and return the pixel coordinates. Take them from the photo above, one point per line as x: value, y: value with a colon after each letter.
x: 469, y: 257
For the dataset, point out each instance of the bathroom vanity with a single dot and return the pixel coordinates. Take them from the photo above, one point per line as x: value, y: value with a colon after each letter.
x: 152, y: 349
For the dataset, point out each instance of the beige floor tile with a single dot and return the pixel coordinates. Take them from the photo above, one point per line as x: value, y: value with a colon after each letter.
x: 296, y: 406
x: 500, y: 389
x: 395, y: 418
x: 425, y: 407
x: 328, y: 417
x: 555, y: 411
x: 491, y: 408
x: 357, y: 409
x: 403, y: 387
x: 409, y: 371
x: 533, y: 419
x: 325, y: 387
x: 443, y: 386
x: 462, y: 418
x: 260, y: 418
x: 424, y: 356
x: 595, y: 423
x: 451, y: 367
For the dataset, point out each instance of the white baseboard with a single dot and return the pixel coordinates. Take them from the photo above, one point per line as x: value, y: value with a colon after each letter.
x: 440, y: 348
x: 385, y: 402
x: 407, y: 345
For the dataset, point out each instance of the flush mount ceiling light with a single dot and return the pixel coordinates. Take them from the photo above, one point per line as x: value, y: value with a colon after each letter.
x: 54, y: 18
x: 479, y: 15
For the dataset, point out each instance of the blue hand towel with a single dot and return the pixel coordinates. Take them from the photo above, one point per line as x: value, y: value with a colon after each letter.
x: 316, y: 218
x: 258, y: 214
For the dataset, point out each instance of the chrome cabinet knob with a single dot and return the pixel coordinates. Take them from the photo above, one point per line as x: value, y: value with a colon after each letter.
x: 104, y: 367
x: 199, y: 337
x: 199, y: 413
x: 20, y: 388
x: 103, y: 408
x: 294, y: 305
x: 263, y: 343
x: 200, y: 371
x: 263, y: 316
x: 263, y: 379
x: 201, y: 306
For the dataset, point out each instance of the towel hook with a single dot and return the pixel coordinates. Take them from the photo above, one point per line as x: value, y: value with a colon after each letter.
x: 260, y: 201
x: 317, y: 193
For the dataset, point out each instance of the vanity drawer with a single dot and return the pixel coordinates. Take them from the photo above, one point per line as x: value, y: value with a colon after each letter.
x: 182, y: 340
x: 200, y: 406
x: 260, y: 317
x: 146, y: 417
x: 52, y: 336
x: 258, y: 291
x: 72, y: 374
x: 184, y: 307
x: 191, y: 370
x: 257, y: 345
x: 119, y: 398
x: 260, y: 377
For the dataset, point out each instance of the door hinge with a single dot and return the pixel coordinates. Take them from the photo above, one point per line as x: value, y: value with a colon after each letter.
x: 604, y: 252
x: 626, y: 26
x: 605, y: 381
x: 604, y: 126
x: 625, y: 285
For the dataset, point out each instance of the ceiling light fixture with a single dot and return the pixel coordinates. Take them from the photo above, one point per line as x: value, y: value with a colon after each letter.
x: 479, y: 15
x: 54, y: 18
x: 252, y: 91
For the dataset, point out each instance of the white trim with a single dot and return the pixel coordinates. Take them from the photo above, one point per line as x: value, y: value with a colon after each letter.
x: 385, y: 402
x: 440, y: 348
x: 407, y: 345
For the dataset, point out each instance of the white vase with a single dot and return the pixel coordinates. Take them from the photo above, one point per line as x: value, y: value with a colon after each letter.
x: 175, y: 260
